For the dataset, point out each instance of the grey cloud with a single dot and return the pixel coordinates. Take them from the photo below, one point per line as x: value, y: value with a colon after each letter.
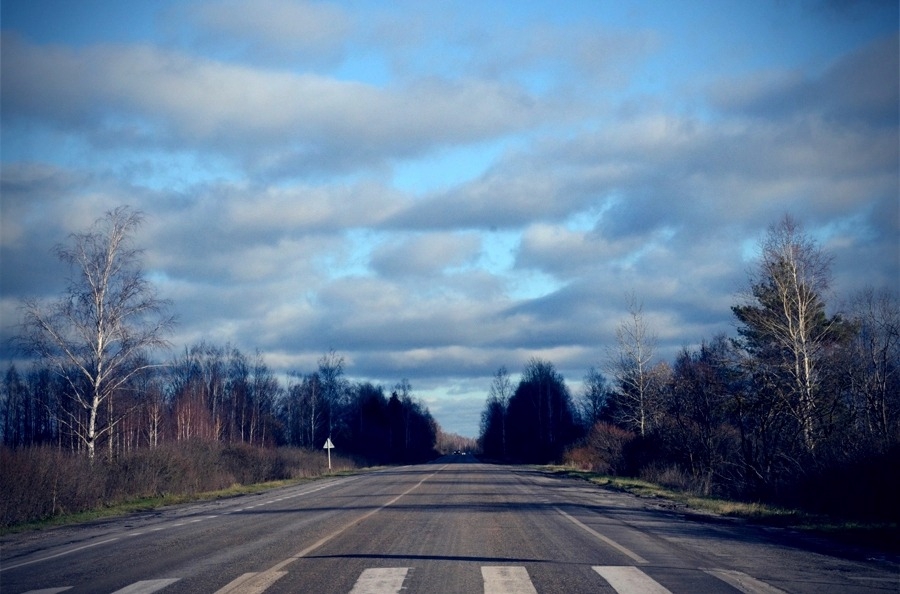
x: 512, y: 194
x: 425, y: 255
x: 274, y: 30
x: 862, y: 87
x: 271, y: 120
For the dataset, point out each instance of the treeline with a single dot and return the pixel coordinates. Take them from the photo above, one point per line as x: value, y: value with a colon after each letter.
x: 220, y: 394
x: 94, y: 385
x: 800, y: 408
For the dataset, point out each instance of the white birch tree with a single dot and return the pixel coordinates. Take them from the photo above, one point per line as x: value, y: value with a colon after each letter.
x: 97, y: 335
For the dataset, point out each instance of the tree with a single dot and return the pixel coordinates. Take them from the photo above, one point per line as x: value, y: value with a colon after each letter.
x: 783, y: 322
x: 96, y: 335
x: 334, y: 388
x: 698, y: 433
x: 540, y: 416
x: 15, y: 409
x: 631, y: 366
x: 493, y: 417
x: 874, y: 368
x: 594, y: 397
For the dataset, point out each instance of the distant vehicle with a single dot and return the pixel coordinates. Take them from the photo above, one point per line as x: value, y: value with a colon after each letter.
x: 457, y: 453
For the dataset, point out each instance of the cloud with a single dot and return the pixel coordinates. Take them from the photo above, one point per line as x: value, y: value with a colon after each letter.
x: 858, y: 89
x: 268, y: 159
x: 274, y: 30
x: 271, y: 121
x: 425, y: 256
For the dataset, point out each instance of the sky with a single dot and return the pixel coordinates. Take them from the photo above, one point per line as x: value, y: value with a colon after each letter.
x: 438, y: 189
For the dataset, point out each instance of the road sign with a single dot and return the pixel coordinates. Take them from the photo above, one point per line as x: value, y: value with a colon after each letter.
x: 328, y: 445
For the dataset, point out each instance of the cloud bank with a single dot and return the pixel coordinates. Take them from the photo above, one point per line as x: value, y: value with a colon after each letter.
x: 435, y: 193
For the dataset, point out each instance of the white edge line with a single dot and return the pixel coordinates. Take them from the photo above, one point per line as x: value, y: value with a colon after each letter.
x: 743, y: 582
x: 625, y: 551
x: 87, y: 546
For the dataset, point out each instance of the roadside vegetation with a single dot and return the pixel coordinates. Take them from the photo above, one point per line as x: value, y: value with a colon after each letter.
x: 47, y: 484
x: 799, y: 410
x: 872, y: 533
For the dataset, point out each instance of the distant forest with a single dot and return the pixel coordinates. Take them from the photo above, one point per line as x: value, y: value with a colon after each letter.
x: 94, y: 388
x: 219, y: 393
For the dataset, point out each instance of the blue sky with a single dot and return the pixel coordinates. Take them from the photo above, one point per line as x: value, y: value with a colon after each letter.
x: 437, y: 189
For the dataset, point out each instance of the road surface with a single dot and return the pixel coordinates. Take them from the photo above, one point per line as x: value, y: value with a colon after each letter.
x: 454, y: 526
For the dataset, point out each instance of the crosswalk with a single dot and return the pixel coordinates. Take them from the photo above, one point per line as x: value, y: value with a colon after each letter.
x: 496, y: 579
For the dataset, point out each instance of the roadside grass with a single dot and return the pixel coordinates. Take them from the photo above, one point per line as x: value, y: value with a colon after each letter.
x: 883, y: 535
x: 145, y: 504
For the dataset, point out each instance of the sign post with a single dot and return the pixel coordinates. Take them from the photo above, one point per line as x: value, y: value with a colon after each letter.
x: 328, y: 446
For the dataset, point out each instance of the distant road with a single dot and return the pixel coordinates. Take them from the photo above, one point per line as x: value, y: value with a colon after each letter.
x: 455, y: 526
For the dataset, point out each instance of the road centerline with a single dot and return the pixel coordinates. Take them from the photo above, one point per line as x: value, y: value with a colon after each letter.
x: 244, y: 585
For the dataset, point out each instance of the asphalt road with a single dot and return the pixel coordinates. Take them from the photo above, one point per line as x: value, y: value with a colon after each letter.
x: 454, y: 526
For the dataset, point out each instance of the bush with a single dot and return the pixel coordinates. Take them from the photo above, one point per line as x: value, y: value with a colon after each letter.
x: 603, y: 450
x: 669, y: 475
x: 43, y: 482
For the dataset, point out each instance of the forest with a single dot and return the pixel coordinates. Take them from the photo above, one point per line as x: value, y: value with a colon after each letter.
x: 93, y: 387
x: 218, y: 393
x: 801, y: 408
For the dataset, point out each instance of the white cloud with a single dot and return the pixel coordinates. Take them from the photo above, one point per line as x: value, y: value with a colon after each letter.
x: 265, y: 170
x: 269, y: 120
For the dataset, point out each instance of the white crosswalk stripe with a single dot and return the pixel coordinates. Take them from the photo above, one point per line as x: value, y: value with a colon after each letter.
x: 382, y: 580
x: 630, y: 580
x: 507, y: 580
x: 497, y: 579
x: 142, y: 587
x: 146, y: 587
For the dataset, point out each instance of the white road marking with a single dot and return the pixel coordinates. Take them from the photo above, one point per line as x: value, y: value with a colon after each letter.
x: 625, y: 551
x: 382, y: 580
x: 743, y: 582
x: 252, y: 583
x: 49, y: 590
x: 507, y: 580
x: 630, y: 580
x: 70, y: 551
x: 258, y: 582
x: 146, y: 587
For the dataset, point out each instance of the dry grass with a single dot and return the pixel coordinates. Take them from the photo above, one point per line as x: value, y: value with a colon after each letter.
x: 49, y: 485
x: 883, y: 535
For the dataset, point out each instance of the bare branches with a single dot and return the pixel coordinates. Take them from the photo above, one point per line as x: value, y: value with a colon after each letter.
x: 95, y: 336
x: 630, y: 364
x: 784, y: 321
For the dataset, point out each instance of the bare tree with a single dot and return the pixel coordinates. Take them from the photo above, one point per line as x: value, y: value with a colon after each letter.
x: 593, y: 398
x: 334, y: 387
x: 784, y: 321
x: 630, y: 364
x: 95, y: 337
x: 875, y: 369
x: 500, y: 393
